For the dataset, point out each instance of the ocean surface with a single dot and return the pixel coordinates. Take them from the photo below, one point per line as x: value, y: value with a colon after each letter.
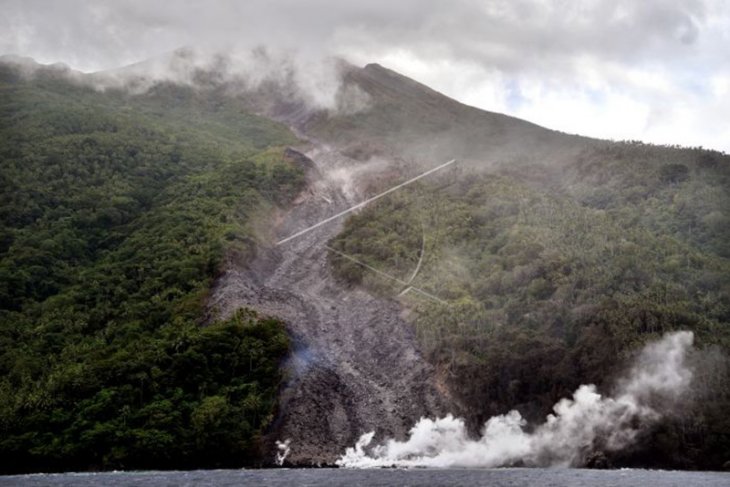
x: 503, y: 477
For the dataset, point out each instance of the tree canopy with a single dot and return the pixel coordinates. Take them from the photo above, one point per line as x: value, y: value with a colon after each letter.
x: 115, y: 213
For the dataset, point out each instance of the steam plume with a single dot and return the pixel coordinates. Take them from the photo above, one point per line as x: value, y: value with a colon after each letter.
x: 283, y: 447
x: 586, y: 423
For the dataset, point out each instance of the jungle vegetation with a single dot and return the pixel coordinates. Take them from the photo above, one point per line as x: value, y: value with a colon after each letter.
x: 552, y: 278
x: 115, y: 213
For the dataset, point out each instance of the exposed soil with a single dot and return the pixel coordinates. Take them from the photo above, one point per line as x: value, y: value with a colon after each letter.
x: 356, y: 366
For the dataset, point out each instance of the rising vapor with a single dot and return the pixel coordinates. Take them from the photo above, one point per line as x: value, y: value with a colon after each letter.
x: 283, y: 451
x: 585, y: 424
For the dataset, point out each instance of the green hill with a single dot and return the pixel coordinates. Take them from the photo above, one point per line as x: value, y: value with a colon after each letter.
x: 553, y: 271
x: 116, y: 213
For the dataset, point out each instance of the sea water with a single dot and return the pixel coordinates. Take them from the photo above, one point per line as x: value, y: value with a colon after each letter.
x: 502, y: 477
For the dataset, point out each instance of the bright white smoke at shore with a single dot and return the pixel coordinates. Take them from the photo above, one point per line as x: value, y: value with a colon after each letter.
x: 579, y: 426
x: 284, y: 449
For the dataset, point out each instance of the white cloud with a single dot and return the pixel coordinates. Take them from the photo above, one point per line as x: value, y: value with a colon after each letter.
x: 654, y: 70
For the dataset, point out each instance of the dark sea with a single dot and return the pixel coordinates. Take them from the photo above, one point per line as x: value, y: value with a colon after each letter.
x: 503, y: 477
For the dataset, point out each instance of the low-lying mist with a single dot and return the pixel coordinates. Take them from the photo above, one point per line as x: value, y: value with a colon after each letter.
x: 581, y: 426
x: 316, y: 83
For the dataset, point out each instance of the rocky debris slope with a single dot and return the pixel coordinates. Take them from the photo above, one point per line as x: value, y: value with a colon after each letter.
x: 356, y: 365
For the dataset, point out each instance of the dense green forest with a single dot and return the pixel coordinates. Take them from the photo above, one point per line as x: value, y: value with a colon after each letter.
x: 553, y: 277
x: 115, y: 213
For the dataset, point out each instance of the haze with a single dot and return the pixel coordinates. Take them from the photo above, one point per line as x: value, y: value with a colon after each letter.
x: 656, y: 70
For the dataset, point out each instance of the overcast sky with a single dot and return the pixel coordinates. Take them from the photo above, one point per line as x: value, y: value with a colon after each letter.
x: 654, y: 70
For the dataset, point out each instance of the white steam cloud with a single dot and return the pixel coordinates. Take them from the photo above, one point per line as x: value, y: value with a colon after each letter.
x: 284, y: 449
x: 316, y: 83
x: 587, y: 423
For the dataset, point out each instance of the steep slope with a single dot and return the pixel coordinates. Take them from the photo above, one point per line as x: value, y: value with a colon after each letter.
x: 116, y: 212
x: 357, y: 365
x: 424, y: 125
x: 557, y: 255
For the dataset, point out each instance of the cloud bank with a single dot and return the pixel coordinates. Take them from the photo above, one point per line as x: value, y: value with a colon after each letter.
x: 656, y: 70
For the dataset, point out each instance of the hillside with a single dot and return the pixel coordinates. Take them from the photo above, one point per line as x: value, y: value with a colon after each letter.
x: 139, y: 269
x: 116, y: 214
x: 421, y: 124
x: 556, y: 256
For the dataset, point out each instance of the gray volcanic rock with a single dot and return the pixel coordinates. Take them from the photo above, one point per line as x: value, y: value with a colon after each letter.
x: 356, y: 366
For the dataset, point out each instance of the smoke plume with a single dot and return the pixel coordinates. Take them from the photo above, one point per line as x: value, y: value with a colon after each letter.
x: 586, y: 423
x: 283, y: 451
